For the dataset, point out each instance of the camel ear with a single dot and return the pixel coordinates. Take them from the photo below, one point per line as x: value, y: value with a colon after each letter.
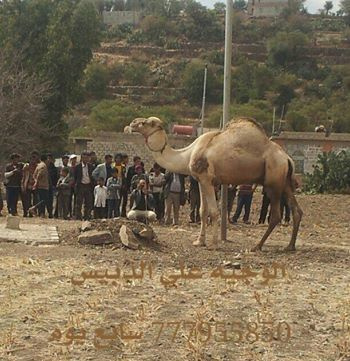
x: 154, y: 122
x: 139, y: 121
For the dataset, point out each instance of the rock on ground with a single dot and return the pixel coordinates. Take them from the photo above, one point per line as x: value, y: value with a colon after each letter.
x: 96, y: 238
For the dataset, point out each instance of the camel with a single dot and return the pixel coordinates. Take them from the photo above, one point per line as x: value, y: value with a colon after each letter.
x: 240, y: 154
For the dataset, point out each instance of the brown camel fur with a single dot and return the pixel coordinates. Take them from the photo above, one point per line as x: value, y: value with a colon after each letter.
x: 240, y: 154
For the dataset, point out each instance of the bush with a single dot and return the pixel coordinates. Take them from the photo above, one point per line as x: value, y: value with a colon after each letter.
x: 96, y: 80
x: 331, y: 174
x: 136, y: 73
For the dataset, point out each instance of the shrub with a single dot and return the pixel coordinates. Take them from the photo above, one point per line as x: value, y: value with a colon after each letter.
x: 96, y: 80
x: 331, y: 174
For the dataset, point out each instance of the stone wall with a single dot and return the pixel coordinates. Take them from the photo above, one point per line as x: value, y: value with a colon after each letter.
x: 305, y: 147
x: 131, y: 144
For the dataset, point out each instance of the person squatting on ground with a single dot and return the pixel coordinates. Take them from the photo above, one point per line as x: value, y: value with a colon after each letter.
x: 63, y: 193
x: 157, y: 182
x: 245, y: 197
x: 143, y: 205
x: 100, y: 199
x: 114, y: 184
x: 174, y: 194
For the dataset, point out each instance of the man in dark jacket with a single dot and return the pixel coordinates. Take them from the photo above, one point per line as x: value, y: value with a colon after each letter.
x: 53, y: 179
x: 13, y: 180
x: 195, y: 200
x: 119, y: 164
x: 174, y: 194
x: 84, y: 187
x: 143, y: 203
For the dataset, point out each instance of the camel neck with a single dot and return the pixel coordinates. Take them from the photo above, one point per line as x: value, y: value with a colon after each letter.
x: 173, y: 160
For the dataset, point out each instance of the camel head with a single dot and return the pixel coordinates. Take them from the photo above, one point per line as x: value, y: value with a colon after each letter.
x: 145, y: 126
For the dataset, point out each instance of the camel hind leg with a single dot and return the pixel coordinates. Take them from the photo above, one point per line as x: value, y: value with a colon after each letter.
x: 200, y: 241
x: 275, y: 216
x: 297, y: 216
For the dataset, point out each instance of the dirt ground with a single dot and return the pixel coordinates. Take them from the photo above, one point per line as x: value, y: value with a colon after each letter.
x: 312, y: 300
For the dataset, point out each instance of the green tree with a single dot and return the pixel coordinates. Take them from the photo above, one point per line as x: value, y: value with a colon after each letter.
x: 345, y: 8
x: 57, y: 38
x: 240, y: 5
x: 328, y: 6
x: 193, y: 81
x: 96, y: 80
x: 284, y: 49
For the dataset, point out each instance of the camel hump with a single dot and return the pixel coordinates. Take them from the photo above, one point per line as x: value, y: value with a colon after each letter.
x: 240, y: 120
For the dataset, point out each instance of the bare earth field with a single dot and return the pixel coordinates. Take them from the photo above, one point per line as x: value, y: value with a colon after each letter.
x: 237, y: 319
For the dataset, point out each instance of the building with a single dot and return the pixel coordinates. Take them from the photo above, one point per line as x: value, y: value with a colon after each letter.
x: 113, y: 18
x: 305, y: 147
x: 268, y: 8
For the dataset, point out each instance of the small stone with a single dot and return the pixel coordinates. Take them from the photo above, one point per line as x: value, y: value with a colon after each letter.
x: 12, y: 222
x: 127, y: 238
x: 147, y: 234
x: 86, y: 226
x: 96, y: 238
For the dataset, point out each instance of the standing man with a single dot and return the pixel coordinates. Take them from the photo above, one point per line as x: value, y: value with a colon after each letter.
x: 195, y: 200
x: 103, y: 170
x: 174, y: 194
x: 73, y: 162
x: 53, y: 179
x: 28, y: 194
x: 13, y: 180
x: 231, y: 195
x: 245, y: 197
x: 41, y: 185
x: 157, y: 182
x: 84, y: 187
x: 119, y: 164
x: 93, y: 160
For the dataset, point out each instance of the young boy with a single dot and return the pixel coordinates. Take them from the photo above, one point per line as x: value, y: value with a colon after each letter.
x: 63, y: 196
x: 100, y: 194
x: 114, y: 185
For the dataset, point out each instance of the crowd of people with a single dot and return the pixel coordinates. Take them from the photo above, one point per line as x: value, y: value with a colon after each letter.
x: 89, y: 189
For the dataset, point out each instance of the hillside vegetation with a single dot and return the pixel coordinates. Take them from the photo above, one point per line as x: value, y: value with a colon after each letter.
x: 100, y: 78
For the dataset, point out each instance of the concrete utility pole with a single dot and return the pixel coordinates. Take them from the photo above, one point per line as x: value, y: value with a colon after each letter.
x: 203, y: 100
x: 226, y: 105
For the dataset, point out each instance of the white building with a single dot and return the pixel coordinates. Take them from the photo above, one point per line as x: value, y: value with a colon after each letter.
x: 267, y: 8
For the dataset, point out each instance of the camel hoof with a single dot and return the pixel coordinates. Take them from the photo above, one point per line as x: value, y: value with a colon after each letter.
x: 198, y: 242
x: 212, y: 246
x: 290, y: 249
x: 256, y: 249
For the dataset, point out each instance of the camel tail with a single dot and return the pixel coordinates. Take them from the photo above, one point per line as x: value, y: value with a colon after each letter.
x: 291, y: 175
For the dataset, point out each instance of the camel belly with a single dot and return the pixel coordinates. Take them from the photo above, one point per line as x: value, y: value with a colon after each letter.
x: 239, y: 169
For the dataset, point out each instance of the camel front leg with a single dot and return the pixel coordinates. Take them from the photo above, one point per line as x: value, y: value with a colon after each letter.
x: 200, y: 241
x: 214, y: 216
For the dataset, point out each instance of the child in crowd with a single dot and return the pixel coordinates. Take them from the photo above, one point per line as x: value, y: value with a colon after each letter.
x: 100, y: 196
x: 114, y: 185
x: 63, y: 195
